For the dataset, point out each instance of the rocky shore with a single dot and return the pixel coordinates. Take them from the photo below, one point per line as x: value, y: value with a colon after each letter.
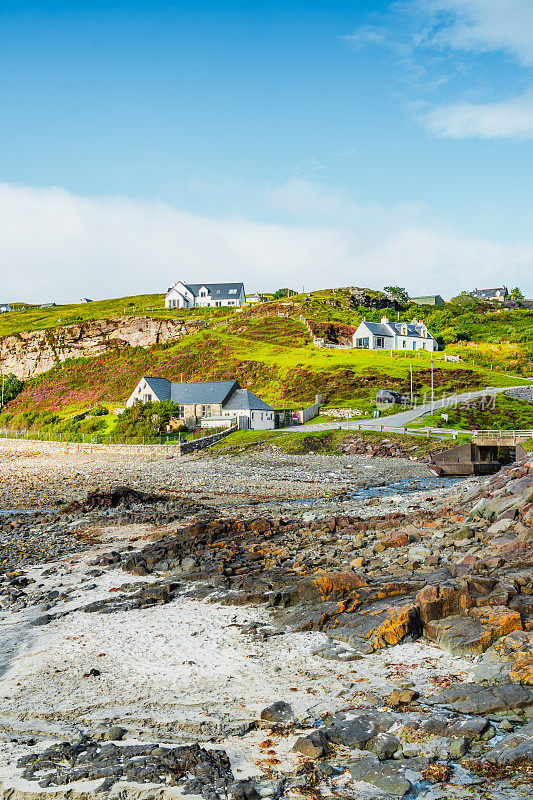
x: 283, y: 637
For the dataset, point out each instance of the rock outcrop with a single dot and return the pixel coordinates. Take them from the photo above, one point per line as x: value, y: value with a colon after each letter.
x: 30, y: 353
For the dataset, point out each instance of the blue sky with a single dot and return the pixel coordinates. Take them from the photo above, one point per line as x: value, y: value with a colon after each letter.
x: 306, y: 143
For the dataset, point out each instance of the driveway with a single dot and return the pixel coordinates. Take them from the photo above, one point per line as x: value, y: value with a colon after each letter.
x: 403, y: 418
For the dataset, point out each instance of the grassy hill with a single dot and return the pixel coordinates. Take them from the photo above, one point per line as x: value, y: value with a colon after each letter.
x: 269, y: 350
x: 274, y: 359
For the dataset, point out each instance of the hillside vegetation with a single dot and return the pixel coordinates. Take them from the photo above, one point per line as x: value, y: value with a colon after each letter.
x: 267, y: 348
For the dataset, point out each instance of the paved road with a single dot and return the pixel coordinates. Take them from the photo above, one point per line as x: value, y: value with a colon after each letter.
x: 403, y: 418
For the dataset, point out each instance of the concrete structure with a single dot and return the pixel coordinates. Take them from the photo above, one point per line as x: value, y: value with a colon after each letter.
x: 386, y: 335
x: 467, y: 459
x: 428, y: 300
x: 203, y: 400
x: 499, y: 294
x: 205, y: 295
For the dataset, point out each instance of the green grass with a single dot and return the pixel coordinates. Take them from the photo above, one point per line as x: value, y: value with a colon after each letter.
x: 324, y: 442
x: 284, y: 376
x: 151, y: 305
x: 500, y: 413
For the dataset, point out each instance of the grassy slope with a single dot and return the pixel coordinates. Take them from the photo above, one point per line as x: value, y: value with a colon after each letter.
x: 35, y: 318
x: 282, y: 375
x: 327, y: 443
x: 499, y: 413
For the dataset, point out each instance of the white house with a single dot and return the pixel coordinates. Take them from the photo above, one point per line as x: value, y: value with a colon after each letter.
x: 386, y: 335
x: 254, y: 297
x: 4, y: 308
x: 215, y: 399
x: 202, y: 295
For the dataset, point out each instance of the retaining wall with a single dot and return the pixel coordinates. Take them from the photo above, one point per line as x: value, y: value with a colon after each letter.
x: 205, y: 441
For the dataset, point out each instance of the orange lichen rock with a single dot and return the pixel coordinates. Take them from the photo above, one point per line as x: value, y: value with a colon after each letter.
x: 400, y: 621
x: 330, y: 586
x: 396, y: 539
x: 522, y: 671
x: 437, y: 602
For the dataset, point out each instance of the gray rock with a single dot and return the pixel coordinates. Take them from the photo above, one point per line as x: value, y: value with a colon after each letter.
x: 389, y: 776
x: 471, y: 698
x: 356, y: 731
x: 313, y: 745
x: 279, y: 712
x: 516, y: 749
x: 458, y: 747
x: 384, y: 745
x: 115, y: 734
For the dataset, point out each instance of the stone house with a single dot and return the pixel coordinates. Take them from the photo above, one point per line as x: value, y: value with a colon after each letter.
x: 210, y: 399
x: 499, y: 294
x: 386, y: 335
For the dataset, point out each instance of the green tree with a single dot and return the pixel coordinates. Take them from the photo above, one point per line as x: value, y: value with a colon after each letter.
x: 398, y: 292
x: 283, y: 293
x: 516, y: 294
x: 10, y: 386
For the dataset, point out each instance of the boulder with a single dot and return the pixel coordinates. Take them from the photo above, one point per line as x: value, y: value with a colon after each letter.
x: 471, y: 698
x: 474, y: 633
x: 279, y: 713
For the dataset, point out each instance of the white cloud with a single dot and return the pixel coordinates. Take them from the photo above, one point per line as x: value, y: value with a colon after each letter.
x: 55, y: 246
x: 485, y: 25
x: 511, y: 118
x: 367, y: 35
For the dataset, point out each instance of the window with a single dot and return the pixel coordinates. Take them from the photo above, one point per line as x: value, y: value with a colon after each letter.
x: 362, y: 342
x: 380, y: 341
x: 232, y: 291
x: 404, y: 344
x: 203, y: 293
x: 423, y: 345
x: 182, y: 411
x: 147, y: 398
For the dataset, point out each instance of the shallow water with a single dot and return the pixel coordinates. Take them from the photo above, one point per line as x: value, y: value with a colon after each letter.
x: 403, y: 486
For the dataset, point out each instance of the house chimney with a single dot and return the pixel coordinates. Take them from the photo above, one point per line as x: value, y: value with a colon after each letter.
x: 384, y: 320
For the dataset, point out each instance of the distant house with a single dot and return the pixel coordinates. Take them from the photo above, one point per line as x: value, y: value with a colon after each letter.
x: 428, y: 300
x: 205, y: 295
x: 386, y: 335
x: 50, y: 305
x: 255, y: 297
x: 499, y: 294
x: 4, y: 308
x: 215, y: 399
x: 85, y: 300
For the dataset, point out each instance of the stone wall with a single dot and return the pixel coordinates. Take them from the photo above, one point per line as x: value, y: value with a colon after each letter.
x: 205, y: 441
x: 32, y: 352
x: 154, y: 450
x: 42, y: 446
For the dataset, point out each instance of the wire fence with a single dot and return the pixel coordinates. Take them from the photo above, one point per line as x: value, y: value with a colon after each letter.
x: 170, y: 438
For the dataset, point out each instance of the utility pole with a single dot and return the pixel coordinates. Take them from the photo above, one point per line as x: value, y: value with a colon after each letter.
x: 411, y: 377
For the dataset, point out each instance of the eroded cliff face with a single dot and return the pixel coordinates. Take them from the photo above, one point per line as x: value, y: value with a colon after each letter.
x: 33, y: 352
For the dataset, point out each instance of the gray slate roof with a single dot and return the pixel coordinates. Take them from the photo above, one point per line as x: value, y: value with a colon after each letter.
x: 378, y: 329
x: 208, y: 392
x: 218, y: 291
x: 159, y: 386
x: 244, y: 400
x: 486, y: 294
